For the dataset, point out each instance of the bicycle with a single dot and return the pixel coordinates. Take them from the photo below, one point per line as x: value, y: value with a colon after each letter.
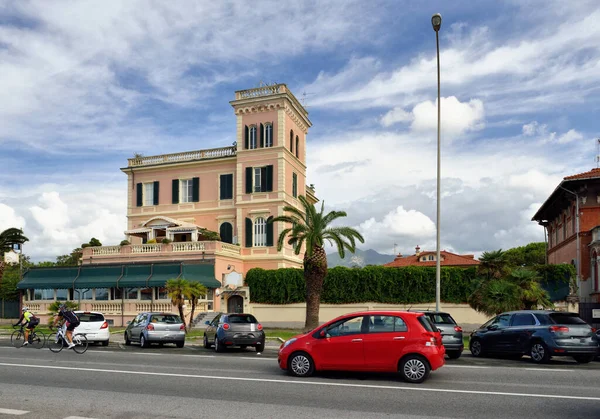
x: 36, y: 339
x: 57, y: 341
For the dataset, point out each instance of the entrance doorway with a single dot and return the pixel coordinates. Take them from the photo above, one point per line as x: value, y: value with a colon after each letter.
x: 235, y: 304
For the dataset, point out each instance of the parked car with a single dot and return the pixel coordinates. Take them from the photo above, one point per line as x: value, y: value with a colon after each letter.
x: 148, y: 328
x: 540, y: 334
x: 385, y: 341
x: 94, y: 325
x: 598, y: 337
x: 234, y: 329
x: 452, y: 333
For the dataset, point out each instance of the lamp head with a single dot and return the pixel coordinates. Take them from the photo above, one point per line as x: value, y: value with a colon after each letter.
x: 436, y: 21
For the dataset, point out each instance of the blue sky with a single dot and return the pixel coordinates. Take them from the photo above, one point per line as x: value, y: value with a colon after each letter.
x: 86, y: 84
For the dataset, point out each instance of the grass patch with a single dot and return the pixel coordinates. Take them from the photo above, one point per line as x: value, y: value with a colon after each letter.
x: 284, y: 334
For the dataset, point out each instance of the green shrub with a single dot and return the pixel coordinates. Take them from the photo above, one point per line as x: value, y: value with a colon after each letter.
x: 151, y: 241
x: 165, y: 241
x: 124, y: 243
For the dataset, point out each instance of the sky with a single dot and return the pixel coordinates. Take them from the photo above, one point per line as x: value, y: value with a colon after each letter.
x: 85, y: 84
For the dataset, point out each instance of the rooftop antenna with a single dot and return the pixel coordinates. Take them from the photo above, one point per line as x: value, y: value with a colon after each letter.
x: 395, y: 244
x: 303, y: 100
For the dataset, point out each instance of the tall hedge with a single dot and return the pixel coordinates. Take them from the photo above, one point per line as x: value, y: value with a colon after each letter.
x: 408, y: 285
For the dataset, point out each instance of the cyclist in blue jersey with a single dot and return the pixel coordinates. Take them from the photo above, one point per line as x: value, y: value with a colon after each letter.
x: 71, y: 321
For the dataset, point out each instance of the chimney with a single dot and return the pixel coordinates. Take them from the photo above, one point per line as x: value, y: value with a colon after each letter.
x: 418, y: 250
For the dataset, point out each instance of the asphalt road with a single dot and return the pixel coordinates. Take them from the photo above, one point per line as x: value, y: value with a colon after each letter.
x: 128, y: 382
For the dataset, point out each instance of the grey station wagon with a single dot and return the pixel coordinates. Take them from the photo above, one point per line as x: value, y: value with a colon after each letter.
x: 234, y: 329
x: 148, y: 328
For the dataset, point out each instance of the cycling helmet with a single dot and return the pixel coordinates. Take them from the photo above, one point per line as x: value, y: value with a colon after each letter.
x: 62, y: 307
x: 25, y: 309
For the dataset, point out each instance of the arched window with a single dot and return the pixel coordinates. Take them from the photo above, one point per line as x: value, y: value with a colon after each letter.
x: 226, y: 233
x: 573, y: 216
x: 269, y: 135
x: 260, y: 232
x: 297, y: 146
x: 252, y: 137
x: 292, y: 140
x: 564, y: 227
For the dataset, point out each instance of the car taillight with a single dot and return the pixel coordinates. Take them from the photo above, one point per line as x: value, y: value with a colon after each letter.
x: 104, y: 325
x: 182, y: 327
x: 150, y: 327
x: 225, y: 326
x: 562, y: 329
x: 432, y: 340
x: 594, y: 330
x: 458, y: 329
x: 259, y: 327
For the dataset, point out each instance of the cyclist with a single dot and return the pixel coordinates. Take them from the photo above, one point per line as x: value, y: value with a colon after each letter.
x: 71, y: 321
x: 30, y: 321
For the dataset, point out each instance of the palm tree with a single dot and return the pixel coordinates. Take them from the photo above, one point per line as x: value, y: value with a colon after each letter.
x: 533, y: 295
x: 195, y: 291
x: 8, y: 238
x: 496, y: 296
x: 309, y: 230
x: 178, y: 290
x: 493, y: 264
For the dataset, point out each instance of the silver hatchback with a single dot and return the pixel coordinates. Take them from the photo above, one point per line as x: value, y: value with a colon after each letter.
x: 148, y: 328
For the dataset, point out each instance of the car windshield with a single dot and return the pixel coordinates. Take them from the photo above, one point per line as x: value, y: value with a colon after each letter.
x: 441, y: 318
x: 165, y: 318
x: 242, y: 318
x: 566, y: 318
x: 90, y: 317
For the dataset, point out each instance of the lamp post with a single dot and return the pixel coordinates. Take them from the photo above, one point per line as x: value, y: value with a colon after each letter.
x: 436, y: 22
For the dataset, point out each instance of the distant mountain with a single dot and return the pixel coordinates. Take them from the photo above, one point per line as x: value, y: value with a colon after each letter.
x: 359, y: 258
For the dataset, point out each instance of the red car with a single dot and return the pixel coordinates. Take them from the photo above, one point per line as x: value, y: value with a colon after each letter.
x: 385, y: 341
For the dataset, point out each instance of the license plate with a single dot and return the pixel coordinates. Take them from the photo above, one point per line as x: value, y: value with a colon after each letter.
x: 583, y: 340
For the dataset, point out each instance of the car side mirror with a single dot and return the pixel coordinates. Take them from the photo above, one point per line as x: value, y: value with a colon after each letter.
x: 322, y: 333
x: 207, y: 322
x: 128, y: 323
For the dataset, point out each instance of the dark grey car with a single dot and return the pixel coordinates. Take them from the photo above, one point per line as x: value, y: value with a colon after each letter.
x: 234, y: 329
x: 148, y: 328
x: 540, y: 334
x: 452, y: 333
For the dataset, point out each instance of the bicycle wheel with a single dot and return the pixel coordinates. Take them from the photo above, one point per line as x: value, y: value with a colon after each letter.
x: 38, y: 340
x: 55, y: 343
x: 17, y: 339
x: 81, y: 343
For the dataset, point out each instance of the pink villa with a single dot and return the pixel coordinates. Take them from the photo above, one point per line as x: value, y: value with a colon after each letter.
x: 200, y: 215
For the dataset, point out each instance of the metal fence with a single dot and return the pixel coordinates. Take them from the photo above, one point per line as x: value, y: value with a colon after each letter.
x: 9, y: 309
x: 590, y: 312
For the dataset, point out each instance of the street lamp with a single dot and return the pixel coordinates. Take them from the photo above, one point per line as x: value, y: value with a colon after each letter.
x: 436, y: 22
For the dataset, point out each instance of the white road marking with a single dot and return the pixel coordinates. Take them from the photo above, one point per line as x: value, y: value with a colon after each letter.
x: 306, y: 382
x: 548, y: 369
x: 508, y: 368
x: 199, y: 356
x: 258, y: 358
x: 77, y: 417
x: 465, y: 366
x: 13, y: 412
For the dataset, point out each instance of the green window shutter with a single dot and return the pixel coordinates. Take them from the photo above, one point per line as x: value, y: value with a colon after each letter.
x: 263, y: 179
x: 269, y: 178
x: 155, y: 193
x: 139, y: 194
x: 229, y: 186
x: 262, y: 135
x: 175, y: 191
x: 246, y: 137
x: 249, y: 232
x: 269, y: 231
x: 248, y: 180
x: 226, y: 233
x: 297, y: 147
x: 196, y: 189
x: 292, y: 141
x: 226, y: 187
x: 295, y: 185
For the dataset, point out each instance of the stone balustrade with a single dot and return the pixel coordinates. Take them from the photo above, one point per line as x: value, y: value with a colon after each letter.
x: 259, y: 91
x: 106, y: 308
x: 188, y: 247
x: 163, y: 307
x: 146, y: 248
x: 232, y: 248
x: 105, y: 250
x: 212, y: 153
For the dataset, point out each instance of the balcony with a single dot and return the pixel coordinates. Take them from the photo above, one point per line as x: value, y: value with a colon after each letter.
x: 158, y: 252
x: 209, y: 154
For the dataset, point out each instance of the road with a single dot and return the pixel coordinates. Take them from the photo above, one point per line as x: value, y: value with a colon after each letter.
x: 128, y: 382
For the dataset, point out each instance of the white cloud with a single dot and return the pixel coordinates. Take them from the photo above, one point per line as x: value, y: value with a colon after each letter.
x: 9, y: 218
x: 570, y: 136
x: 456, y: 117
x: 400, y: 222
x: 534, y: 128
x: 394, y: 116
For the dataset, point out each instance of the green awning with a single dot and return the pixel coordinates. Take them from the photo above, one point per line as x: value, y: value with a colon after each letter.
x: 48, y: 278
x: 98, y: 277
x: 203, y: 273
x: 135, y: 276
x: 162, y: 273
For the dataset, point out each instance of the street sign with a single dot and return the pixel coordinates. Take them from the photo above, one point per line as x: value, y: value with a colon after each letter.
x: 11, y: 257
x: 596, y: 313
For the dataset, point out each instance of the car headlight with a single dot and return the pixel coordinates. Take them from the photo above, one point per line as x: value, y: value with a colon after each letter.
x: 287, y: 342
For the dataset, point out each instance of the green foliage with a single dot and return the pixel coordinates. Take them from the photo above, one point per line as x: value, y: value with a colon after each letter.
x: 496, y: 296
x: 558, y: 280
x: 71, y: 259
x: 208, y: 235
x: 410, y: 285
x: 530, y: 255
x: 165, y: 241
x: 124, y: 243
x: 95, y: 242
x: 8, y: 286
x: 9, y: 237
x: 151, y: 241
x: 493, y: 264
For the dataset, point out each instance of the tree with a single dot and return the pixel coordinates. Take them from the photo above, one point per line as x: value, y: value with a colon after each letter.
x: 195, y: 291
x: 178, y: 290
x: 71, y: 259
x: 53, y: 309
x: 529, y: 255
x: 532, y: 294
x: 95, y: 242
x: 309, y: 230
x: 8, y: 238
x: 493, y: 264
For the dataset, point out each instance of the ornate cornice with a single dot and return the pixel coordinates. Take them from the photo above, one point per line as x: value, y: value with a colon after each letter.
x: 294, y: 116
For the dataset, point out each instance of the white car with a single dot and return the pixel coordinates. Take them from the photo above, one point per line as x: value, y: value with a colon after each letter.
x: 94, y: 325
